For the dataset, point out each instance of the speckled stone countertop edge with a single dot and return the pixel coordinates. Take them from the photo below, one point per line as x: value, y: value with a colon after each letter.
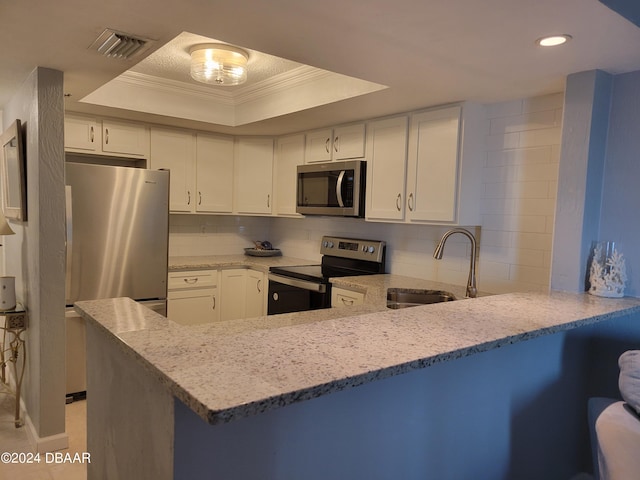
x: 91, y: 311
x: 212, y: 262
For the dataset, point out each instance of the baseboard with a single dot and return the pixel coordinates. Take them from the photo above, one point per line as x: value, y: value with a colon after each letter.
x: 50, y: 443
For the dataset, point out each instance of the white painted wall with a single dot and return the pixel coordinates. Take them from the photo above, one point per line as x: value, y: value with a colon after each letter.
x: 35, y: 255
x: 520, y: 175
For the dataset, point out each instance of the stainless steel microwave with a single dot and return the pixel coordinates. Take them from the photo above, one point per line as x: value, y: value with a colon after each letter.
x: 333, y: 188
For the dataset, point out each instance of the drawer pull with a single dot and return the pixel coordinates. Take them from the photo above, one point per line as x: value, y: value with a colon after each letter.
x: 347, y: 301
x: 191, y: 280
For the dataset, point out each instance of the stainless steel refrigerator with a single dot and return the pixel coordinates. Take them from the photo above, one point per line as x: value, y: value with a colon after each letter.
x: 117, y: 245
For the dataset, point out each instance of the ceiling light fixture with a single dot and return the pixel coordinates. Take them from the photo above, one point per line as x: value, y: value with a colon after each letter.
x: 553, y: 40
x: 218, y: 64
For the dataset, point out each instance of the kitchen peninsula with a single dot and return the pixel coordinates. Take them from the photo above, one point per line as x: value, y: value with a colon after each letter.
x: 477, y: 388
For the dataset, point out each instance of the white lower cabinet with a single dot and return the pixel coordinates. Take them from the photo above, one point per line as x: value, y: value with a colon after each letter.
x: 342, y: 297
x: 243, y: 293
x: 192, y: 297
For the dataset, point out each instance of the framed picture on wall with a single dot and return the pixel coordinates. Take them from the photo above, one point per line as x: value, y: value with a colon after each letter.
x: 12, y: 169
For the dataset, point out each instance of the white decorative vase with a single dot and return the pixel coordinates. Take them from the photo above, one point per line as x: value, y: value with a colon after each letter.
x: 607, y: 274
x: 7, y: 293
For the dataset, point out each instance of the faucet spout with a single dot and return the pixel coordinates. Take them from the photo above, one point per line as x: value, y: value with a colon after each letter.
x: 472, y: 291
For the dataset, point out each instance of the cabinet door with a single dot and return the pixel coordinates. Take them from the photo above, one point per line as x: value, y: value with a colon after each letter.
x: 232, y: 293
x: 255, y: 294
x: 348, y: 142
x: 214, y: 174
x: 253, y: 174
x: 80, y: 133
x: 386, y: 165
x: 432, y: 174
x: 289, y: 154
x: 318, y: 146
x: 192, y: 307
x: 175, y: 151
x: 125, y: 138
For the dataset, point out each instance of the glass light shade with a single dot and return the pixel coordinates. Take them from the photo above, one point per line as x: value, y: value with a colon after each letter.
x: 218, y: 64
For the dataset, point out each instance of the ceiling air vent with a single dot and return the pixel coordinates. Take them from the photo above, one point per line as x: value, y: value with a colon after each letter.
x: 119, y: 45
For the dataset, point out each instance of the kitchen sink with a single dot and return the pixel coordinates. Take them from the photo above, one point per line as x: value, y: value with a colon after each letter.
x: 409, y: 297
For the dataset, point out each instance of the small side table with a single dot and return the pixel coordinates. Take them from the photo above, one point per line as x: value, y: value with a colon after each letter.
x: 15, y: 324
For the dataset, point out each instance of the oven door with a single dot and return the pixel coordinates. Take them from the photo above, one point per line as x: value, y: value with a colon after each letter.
x: 288, y: 295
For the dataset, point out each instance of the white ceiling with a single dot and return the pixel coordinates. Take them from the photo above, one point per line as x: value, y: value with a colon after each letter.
x: 427, y: 52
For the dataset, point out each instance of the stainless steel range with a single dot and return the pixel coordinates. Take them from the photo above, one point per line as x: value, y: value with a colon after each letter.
x: 307, y: 287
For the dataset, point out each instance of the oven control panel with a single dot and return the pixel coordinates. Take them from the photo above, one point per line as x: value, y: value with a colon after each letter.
x: 371, y: 250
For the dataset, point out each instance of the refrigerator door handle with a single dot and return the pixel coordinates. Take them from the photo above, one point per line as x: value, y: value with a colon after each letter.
x: 69, y: 242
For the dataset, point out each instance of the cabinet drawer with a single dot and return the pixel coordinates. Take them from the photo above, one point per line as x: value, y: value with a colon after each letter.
x: 346, y: 298
x: 192, y: 279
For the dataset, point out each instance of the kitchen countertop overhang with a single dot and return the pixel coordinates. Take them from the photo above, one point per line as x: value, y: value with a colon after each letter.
x: 240, y: 368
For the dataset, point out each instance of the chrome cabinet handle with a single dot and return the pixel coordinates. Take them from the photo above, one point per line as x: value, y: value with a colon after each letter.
x: 398, y: 201
x: 326, y: 145
x: 410, y: 202
x: 106, y: 137
x: 91, y: 134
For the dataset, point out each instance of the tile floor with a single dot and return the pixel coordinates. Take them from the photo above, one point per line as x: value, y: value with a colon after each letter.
x: 14, y: 439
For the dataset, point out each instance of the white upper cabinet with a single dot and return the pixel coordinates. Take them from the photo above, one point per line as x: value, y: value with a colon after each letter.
x: 289, y: 154
x: 214, y: 173
x: 86, y: 134
x: 386, y: 165
x: 201, y: 169
x: 174, y: 150
x: 432, y: 176
x: 124, y: 138
x: 339, y: 143
x: 81, y: 134
x: 442, y: 166
x: 253, y: 172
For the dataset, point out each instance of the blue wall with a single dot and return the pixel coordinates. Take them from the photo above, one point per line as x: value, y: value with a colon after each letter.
x: 620, y: 211
x: 517, y: 412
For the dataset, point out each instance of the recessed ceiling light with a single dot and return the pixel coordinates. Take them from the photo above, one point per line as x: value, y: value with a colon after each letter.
x: 553, y: 40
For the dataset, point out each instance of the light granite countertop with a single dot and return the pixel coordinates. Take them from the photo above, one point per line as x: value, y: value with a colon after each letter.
x: 230, y: 261
x: 239, y: 368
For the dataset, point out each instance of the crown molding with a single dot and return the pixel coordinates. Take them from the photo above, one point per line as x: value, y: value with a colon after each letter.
x: 296, y: 77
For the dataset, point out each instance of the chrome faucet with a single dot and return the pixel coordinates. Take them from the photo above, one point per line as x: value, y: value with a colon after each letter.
x: 472, y: 291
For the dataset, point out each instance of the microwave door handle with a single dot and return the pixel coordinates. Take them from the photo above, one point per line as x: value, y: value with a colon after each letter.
x: 339, y: 189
